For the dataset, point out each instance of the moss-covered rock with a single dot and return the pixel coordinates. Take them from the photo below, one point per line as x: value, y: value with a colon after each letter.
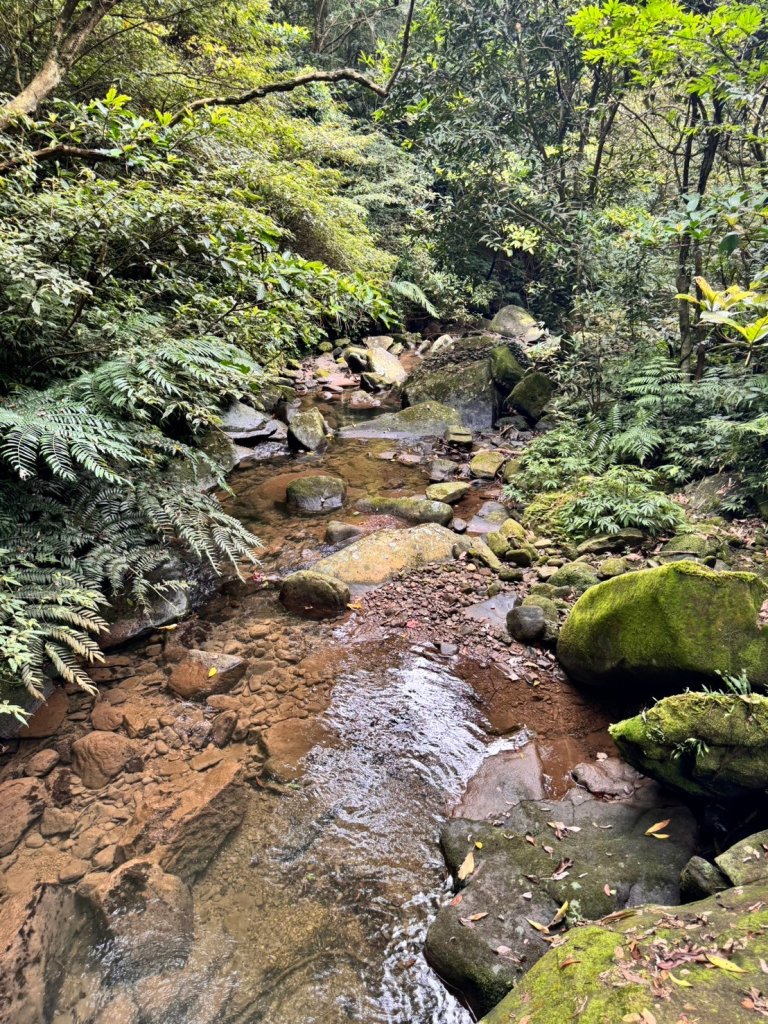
x: 466, y: 387
x: 427, y: 419
x: 513, y: 530
x: 485, y: 465
x: 629, y: 537
x: 314, y: 594
x: 511, y: 470
x: 311, y: 494
x: 578, y: 576
x: 498, y: 543
x: 678, y: 625
x: 506, y: 368
x: 412, y: 510
x: 449, y: 492
x: 516, y: 322
x: 380, y: 556
x: 549, y: 609
x: 308, y: 430
x: 544, y: 514
x: 610, y: 567
x: 658, y: 963
x: 705, y: 744
x: 531, y: 395
x: 687, y: 546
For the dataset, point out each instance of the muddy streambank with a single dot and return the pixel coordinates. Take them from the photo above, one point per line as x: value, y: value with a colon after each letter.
x: 245, y: 825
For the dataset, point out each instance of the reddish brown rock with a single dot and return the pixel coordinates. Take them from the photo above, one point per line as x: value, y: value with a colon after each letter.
x: 48, y: 717
x: 222, y: 727
x: 100, y: 756
x: 105, y: 717
x: 201, y: 673
x: 22, y: 801
x: 42, y: 762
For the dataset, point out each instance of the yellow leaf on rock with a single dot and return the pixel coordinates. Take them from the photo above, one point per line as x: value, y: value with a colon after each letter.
x: 725, y: 965
x: 661, y: 835
x: 539, y: 927
x: 212, y: 672
x: 467, y: 867
x: 657, y: 827
x: 680, y: 981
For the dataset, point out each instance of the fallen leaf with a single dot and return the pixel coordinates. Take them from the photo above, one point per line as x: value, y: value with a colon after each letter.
x: 763, y: 966
x: 608, y: 890
x: 456, y: 900
x: 647, y: 1017
x: 660, y: 835
x: 725, y: 965
x: 568, y: 961
x: 560, y: 915
x: 478, y: 846
x: 539, y: 927
x: 467, y: 922
x: 657, y: 827
x: 355, y: 606
x: 548, y: 849
x: 478, y: 917
x: 212, y: 672
x: 467, y: 867
x: 531, y: 840
x: 680, y: 981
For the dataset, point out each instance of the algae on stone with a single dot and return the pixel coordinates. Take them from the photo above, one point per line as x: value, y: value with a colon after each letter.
x: 412, y: 510
x: 532, y: 394
x: 677, y: 625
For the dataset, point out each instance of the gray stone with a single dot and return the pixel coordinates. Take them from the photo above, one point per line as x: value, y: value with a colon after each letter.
x: 307, y: 429
x: 314, y: 594
x: 526, y: 623
x: 313, y: 494
x: 427, y: 419
x: 700, y: 879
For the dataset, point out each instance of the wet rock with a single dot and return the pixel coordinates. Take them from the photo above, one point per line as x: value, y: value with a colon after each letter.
x: 427, y: 419
x: 307, y: 429
x: 201, y: 673
x: 601, y: 861
x: 526, y: 623
x: 133, y: 623
x: 186, y: 834
x: 548, y: 609
x: 705, y: 497
x: 312, y: 494
x: 447, y: 492
x: 22, y: 801
x: 240, y: 422
x: 700, y: 879
x: 622, y: 987
x: 386, y: 367
x: 466, y: 387
x: 379, y: 556
x: 147, y: 913
x: 99, y: 757
x: 706, y: 744
x: 337, y: 532
x: 486, y: 465
x: 610, y: 777
x: 677, y: 625
x: 222, y: 727
x: 532, y: 395
x: 412, y: 510
x: 516, y: 322
x: 314, y: 594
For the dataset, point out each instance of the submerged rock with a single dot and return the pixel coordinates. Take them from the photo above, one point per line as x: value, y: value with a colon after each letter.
x: 379, y: 556
x: 630, y: 968
x: 581, y: 851
x: 705, y: 744
x: 201, y: 673
x: 312, y: 494
x: 427, y: 419
x: 314, y: 594
x: 412, y: 510
x: 98, y: 757
x: 677, y: 625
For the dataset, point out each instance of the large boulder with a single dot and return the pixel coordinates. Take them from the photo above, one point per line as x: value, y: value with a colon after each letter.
x: 380, y: 556
x: 22, y: 801
x: 307, y: 429
x: 98, y: 757
x: 705, y: 744
x: 670, y: 965
x: 242, y: 423
x: 200, y: 673
x: 532, y: 394
x: 517, y: 323
x: 386, y: 367
x: 147, y: 914
x: 678, y: 625
x: 426, y: 419
x: 314, y: 594
x: 412, y: 510
x: 506, y: 369
x: 466, y: 387
x: 311, y: 494
x: 581, y: 853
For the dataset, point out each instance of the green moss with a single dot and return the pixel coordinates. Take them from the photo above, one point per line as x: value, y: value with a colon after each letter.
x: 513, y: 530
x: 547, y: 606
x: 680, y: 624
x: 543, y: 515
x: 532, y: 394
x: 487, y: 464
x: 577, y: 575
x: 506, y: 368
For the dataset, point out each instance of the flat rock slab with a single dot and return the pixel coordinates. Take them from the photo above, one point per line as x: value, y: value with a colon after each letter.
x: 426, y: 419
x: 380, y: 556
x: 593, y: 854
x: 494, y: 610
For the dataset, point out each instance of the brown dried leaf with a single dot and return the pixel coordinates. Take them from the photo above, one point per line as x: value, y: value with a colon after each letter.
x: 467, y: 866
x: 657, y: 827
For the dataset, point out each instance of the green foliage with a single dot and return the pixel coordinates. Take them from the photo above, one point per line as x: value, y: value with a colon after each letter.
x: 625, y: 496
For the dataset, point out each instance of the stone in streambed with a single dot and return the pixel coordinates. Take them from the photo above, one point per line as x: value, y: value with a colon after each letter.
x: 307, y: 429
x: 704, y: 744
x: 201, y: 673
x: 674, y: 626
x: 337, y: 532
x: 450, y: 492
x: 386, y: 367
x: 577, y: 576
x: 426, y: 419
x: 506, y: 368
x: 466, y: 387
x: 485, y: 465
x: 379, y: 556
x: 98, y: 757
x: 526, y: 624
x: 312, y: 494
x: 441, y: 470
x: 314, y: 594
x: 22, y: 801
x: 700, y: 879
x: 412, y: 510
x: 532, y: 395
x: 516, y: 322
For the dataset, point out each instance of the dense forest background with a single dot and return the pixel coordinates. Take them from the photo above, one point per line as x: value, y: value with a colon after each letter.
x: 181, y: 215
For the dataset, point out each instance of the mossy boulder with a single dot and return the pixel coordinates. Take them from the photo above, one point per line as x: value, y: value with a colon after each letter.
x: 412, y: 510
x: 578, y: 576
x: 498, y: 543
x: 449, y: 492
x: 549, y: 610
x: 704, y: 744
x: 506, y: 368
x: 513, y: 530
x: 674, y: 626
x: 485, y: 465
x: 427, y: 419
x: 311, y: 494
x: 629, y: 537
x: 687, y: 546
x: 610, y: 567
x: 314, y: 594
x: 380, y: 556
x: 386, y: 366
x: 532, y: 394
x: 657, y: 963
x: 307, y: 430
x: 516, y: 322
x: 466, y: 387
x: 511, y: 470
x: 517, y: 880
